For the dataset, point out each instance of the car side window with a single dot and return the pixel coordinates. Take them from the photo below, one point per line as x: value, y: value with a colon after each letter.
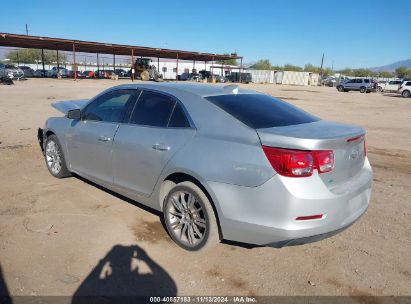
x: 351, y: 81
x: 366, y: 80
x: 408, y: 83
x: 178, y: 118
x: 152, y: 109
x: 358, y: 80
x: 109, y: 107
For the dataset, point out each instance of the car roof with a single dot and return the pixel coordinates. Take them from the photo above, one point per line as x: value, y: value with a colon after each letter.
x: 199, y: 89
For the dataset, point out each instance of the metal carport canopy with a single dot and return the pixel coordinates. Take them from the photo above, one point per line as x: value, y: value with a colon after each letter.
x: 38, y: 42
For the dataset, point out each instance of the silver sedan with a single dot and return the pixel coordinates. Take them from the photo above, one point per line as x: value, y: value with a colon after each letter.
x: 219, y: 162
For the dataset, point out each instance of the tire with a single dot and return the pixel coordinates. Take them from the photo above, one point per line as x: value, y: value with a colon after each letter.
x: 54, y: 157
x: 379, y: 89
x: 190, y: 218
x: 158, y: 78
x: 340, y: 88
x: 145, y: 76
x: 363, y: 89
x: 406, y: 94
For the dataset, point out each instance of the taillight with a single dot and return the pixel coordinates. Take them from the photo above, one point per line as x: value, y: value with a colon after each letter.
x: 299, y: 163
x: 325, y: 160
x: 358, y: 138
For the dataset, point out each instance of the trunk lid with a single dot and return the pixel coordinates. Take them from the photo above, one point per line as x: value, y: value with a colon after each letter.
x: 346, y: 141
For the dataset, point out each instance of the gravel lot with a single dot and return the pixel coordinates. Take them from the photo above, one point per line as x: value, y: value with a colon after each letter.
x: 65, y: 237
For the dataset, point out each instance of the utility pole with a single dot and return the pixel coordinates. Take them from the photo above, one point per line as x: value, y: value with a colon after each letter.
x: 321, y: 71
x: 322, y: 62
x: 27, y: 30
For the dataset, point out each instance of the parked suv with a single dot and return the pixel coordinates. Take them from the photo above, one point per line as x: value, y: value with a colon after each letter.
x: 390, y: 86
x: 27, y: 71
x: 364, y: 85
x: 405, y: 89
x: 55, y: 71
x: 237, y: 77
x: 10, y: 71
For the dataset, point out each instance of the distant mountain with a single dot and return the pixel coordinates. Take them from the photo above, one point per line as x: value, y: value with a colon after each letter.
x: 391, y: 67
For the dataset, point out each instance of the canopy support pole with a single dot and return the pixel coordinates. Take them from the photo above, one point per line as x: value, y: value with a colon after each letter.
x: 132, y: 65
x: 177, y: 68
x: 74, y: 62
x: 42, y: 62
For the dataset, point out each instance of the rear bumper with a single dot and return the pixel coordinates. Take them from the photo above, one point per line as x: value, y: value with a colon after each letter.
x: 307, y: 239
x: 266, y: 215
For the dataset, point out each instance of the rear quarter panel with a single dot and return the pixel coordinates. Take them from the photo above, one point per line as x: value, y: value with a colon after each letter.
x: 222, y: 150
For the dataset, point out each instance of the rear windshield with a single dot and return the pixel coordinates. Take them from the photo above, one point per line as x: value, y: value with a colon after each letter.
x: 261, y: 111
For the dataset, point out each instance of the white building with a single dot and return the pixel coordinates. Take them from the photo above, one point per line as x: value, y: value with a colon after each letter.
x: 284, y: 77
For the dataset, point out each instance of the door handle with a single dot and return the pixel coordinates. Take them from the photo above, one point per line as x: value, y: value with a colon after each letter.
x: 104, y: 138
x: 161, y: 147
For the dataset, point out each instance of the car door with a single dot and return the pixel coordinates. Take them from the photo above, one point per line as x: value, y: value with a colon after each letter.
x: 89, y: 140
x: 393, y: 85
x: 157, y: 129
x: 358, y: 83
x: 349, y: 84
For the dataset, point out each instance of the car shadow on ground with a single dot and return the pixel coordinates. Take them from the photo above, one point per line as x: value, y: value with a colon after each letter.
x: 125, y: 275
x: 122, y: 197
x: 156, y: 212
x: 4, y: 291
x: 392, y: 95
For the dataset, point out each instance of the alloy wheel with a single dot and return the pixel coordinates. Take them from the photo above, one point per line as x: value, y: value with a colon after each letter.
x: 53, y: 157
x: 186, y: 218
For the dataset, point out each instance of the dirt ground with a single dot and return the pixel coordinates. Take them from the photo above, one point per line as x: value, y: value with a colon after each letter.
x: 65, y: 237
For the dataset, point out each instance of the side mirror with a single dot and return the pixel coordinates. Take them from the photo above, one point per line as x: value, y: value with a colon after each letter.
x: 74, y: 114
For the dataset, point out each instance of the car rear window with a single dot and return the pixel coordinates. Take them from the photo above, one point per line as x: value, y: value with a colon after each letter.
x: 261, y: 111
x: 178, y: 118
x: 152, y: 109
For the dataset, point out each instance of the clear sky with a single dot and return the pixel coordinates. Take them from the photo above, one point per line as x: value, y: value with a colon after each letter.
x: 351, y: 33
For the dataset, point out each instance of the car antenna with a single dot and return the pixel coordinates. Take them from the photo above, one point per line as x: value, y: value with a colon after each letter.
x: 232, y: 87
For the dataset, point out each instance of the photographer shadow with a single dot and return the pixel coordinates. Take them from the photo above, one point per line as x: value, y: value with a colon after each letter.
x: 4, y: 291
x: 125, y: 274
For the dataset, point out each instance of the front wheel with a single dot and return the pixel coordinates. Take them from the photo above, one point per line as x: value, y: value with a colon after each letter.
x: 379, y: 89
x: 145, y: 76
x: 340, y: 88
x: 363, y: 90
x: 406, y: 94
x: 190, y: 218
x: 55, y: 161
